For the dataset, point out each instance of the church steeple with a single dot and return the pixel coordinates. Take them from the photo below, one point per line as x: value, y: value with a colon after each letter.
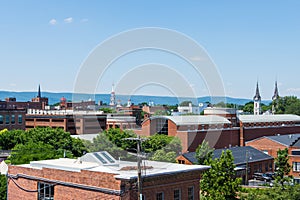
x: 257, y: 96
x: 257, y: 99
x: 112, y: 97
x: 276, y: 93
x: 275, y: 99
x: 39, y: 92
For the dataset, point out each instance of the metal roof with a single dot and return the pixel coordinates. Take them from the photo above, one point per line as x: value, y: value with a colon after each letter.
x: 287, y: 140
x: 268, y: 118
x: 239, y: 155
x: 195, y: 119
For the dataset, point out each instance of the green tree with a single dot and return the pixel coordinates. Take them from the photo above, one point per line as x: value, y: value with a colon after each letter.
x: 169, y: 152
x: 156, y: 142
x: 282, y: 167
x: 287, y: 105
x: 102, y: 143
x: 9, y: 139
x: 107, y: 110
x: 204, y: 153
x: 3, y: 187
x: 162, y: 155
x: 265, y: 108
x: 248, y: 108
x: 219, y: 181
x: 24, y: 153
x: 185, y: 103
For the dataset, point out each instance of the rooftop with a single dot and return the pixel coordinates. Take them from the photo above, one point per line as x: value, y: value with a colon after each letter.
x: 239, y: 154
x: 269, y: 118
x: 153, y: 168
x: 286, y: 140
x: 195, y: 119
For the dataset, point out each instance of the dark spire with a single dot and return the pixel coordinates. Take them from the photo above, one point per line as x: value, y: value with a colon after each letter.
x: 257, y: 95
x: 276, y: 93
x: 39, y: 92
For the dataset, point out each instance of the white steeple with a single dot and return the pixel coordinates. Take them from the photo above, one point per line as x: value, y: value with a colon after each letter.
x: 257, y: 101
x: 112, y: 97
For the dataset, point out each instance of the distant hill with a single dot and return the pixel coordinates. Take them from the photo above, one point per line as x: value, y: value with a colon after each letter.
x: 136, y: 99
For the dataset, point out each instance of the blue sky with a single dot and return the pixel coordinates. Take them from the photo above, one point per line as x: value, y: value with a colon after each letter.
x: 47, y: 41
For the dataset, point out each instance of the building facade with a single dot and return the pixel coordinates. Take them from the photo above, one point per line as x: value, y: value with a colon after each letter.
x: 102, y: 178
x: 12, y: 119
x: 271, y: 144
x: 75, y: 122
x: 257, y: 161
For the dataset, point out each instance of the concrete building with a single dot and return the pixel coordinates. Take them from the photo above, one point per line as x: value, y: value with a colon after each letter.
x: 75, y: 122
x: 99, y: 176
x: 271, y: 144
x: 120, y: 121
x: 256, y: 160
x: 191, y: 109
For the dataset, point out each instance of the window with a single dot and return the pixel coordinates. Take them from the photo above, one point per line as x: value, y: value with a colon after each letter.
x: 13, y: 120
x: 295, y: 152
x: 191, y: 193
x: 177, y: 194
x: 162, y: 126
x: 7, y: 119
x: 45, y: 191
x: 296, y: 166
x: 20, y: 119
x: 1, y: 119
x: 160, y: 196
x: 181, y: 162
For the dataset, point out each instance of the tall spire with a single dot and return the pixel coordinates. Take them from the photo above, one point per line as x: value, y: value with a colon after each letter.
x: 257, y: 96
x: 39, y: 92
x: 276, y: 93
x: 112, y: 97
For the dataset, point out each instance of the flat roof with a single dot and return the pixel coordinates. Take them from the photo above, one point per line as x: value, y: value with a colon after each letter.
x: 269, y: 118
x: 195, y: 119
x: 155, y: 168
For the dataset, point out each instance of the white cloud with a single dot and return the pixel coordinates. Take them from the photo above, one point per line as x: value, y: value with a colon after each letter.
x: 68, y: 20
x: 53, y: 22
x: 84, y: 20
x: 293, y: 89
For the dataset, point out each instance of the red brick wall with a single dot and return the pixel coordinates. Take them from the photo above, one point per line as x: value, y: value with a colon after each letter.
x: 253, y: 133
x: 266, y: 144
x: 272, y: 148
x: 96, y: 179
x: 151, y: 185
x: 172, y: 128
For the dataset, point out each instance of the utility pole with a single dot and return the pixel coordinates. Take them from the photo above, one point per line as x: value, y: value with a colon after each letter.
x: 246, y: 177
x: 139, y: 161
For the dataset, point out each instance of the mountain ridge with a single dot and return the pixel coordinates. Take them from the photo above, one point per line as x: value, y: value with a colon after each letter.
x: 54, y: 97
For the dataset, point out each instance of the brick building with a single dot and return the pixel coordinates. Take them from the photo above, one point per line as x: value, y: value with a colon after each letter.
x: 99, y: 176
x: 37, y: 102
x: 271, y: 144
x: 12, y: 119
x: 219, y: 131
x: 255, y: 126
x: 75, y: 122
x: 256, y: 160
